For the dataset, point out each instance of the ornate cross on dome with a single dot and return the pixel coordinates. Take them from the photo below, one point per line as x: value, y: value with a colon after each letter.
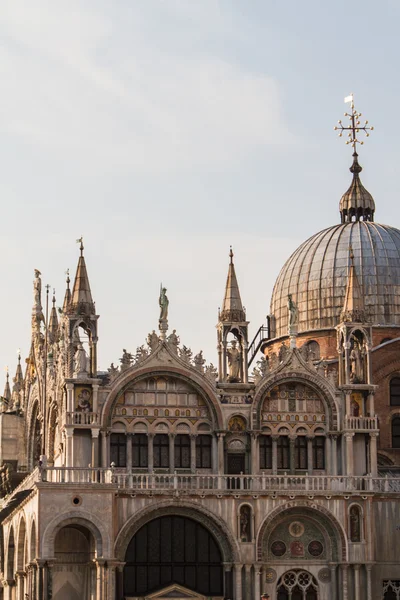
x: 355, y: 125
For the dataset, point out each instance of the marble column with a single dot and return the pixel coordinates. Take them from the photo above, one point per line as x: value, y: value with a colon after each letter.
x: 95, y: 388
x: 292, y: 457
x: 257, y: 582
x: 129, y: 452
x: 95, y: 447
x: 228, y: 583
x: 334, y: 454
x: 69, y: 442
x: 310, y: 454
x: 255, y: 469
x: 221, y: 457
x: 368, y: 568
x: 333, y: 594
x: 193, y: 439
x: 171, y: 437
x: 70, y: 397
x: 328, y: 456
x: 100, y: 579
x: 104, y: 450
x: 150, y: 453
x: 343, y: 569
x: 247, y: 583
x: 275, y: 439
x: 214, y: 454
x: 349, y: 453
x: 238, y: 581
x: 356, y: 582
x: 374, y: 453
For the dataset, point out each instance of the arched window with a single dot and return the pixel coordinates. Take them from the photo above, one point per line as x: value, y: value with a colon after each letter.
x: 265, y: 452
x: 396, y: 432
x: 391, y: 589
x: 140, y: 451
x: 283, y: 449
x: 182, y: 452
x: 161, y: 451
x: 118, y: 449
x: 318, y: 447
x: 395, y: 391
x: 297, y: 585
x: 301, y: 454
x: 203, y: 452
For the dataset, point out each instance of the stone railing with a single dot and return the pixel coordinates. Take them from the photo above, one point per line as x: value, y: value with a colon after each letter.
x: 82, y: 418
x: 256, y: 484
x: 361, y: 423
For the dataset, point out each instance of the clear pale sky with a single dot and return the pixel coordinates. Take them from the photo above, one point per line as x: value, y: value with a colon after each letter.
x: 165, y: 130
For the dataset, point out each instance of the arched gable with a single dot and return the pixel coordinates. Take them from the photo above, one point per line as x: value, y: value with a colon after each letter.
x: 88, y: 520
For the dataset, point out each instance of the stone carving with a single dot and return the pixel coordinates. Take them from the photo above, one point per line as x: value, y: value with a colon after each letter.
x: 199, y: 361
x: 270, y: 575
x: 283, y: 351
x: 234, y: 359
x: 126, y: 360
x: 80, y: 361
x: 273, y: 361
x: 261, y: 369
x: 315, y: 548
x: 278, y: 548
x: 186, y: 354
x: 141, y: 354
x: 355, y: 524
x: 297, y: 548
x: 324, y: 575
x: 296, y: 529
x: 356, y: 361
x: 113, y: 372
x: 153, y: 341
x: 293, y: 314
x: 245, y: 524
x: 37, y: 289
x: 211, y: 374
x: 164, y: 303
x: 173, y: 341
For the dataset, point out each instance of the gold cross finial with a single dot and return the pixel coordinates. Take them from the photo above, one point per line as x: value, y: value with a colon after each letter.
x: 80, y: 241
x: 354, y: 126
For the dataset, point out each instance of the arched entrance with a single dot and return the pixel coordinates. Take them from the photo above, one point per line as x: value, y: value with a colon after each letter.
x: 74, y: 572
x: 170, y: 550
x: 297, y: 585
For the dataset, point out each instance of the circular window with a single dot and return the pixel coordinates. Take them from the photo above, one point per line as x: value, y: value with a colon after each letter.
x: 278, y: 548
x: 76, y: 500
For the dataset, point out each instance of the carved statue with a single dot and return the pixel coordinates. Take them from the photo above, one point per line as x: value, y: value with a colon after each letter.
x: 199, y: 361
x: 80, y: 362
x: 186, y: 354
x: 152, y: 340
x: 234, y: 359
x: 356, y: 362
x: 141, y: 354
x: 293, y: 312
x: 37, y: 289
x: 245, y: 524
x: 355, y: 524
x: 126, y: 360
x: 283, y: 350
x: 113, y: 371
x: 211, y: 373
x: 163, y: 302
x: 173, y: 341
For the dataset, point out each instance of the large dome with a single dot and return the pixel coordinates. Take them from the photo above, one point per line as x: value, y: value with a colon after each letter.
x: 316, y: 276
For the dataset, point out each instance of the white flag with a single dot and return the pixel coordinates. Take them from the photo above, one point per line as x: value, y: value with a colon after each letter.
x: 349, y: 98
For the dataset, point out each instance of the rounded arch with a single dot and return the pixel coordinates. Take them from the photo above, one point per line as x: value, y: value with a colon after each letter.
x: 10, y: 564
x: 315, y: 382
x: 33, y: 542
x: 51, y: 435
x: 84, y: 519
x: 21, y: 545
x: 226, y: 541
x: 194, y: 379
x: 304, y: 509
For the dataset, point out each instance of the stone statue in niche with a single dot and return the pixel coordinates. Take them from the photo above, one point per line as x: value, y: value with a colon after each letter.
x: 234, y: 359
x: 356, y: 361
x: 355, y: 524
x: 245, y: 524
x: 80, y: 361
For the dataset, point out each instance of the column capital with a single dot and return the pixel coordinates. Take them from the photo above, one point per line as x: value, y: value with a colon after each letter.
x: 356, y: 567
x: 348, y: 435
x: 275, y: 437
x: 95, y: 432
x: 193, y: 436
x: 344, y: 566
x: 374, y: 434
x: 221, y: 434
x: 310, y: 436
x: 150, y: 435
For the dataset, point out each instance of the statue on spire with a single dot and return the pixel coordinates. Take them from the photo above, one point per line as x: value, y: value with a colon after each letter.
x: 163, y: 320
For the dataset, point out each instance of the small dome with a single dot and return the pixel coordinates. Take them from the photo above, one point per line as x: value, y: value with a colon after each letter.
x: 316, y: 277
x: 357, y: 203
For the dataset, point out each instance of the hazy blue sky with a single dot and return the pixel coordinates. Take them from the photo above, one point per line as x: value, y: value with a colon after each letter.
x: 166, y: 130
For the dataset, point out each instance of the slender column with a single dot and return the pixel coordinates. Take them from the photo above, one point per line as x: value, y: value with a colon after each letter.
x: 129, y: 451
x: 369, y: 377
x: 371, y: 404
x: 334, y: 454
x: 349, y: 453
x: 245, y: 363
x: 275, y: 454
x: 292, y: 441
x: 93, y: 357
x: 228, y: 583
x: 95, y: 447
x: 171, y: 452
x: 328, y: 456
x: 150, y: 438
x: 119, y: 582
x: 356, y: 582
x: 104, y: 457
x: 369, y: 581
x: 348, y: 404
x: 345, y: 590
x: 193, y: 438
x: 257, y: 587
x: 214, y: 454
x: 238, y: 581
x: 70, y: 397
x: 333, y: 594
x: 221, y: 462
x: 247, y: 584
x: 100, y: 579
x: 255, y: 469
x: 347, y: 362
x: 224, y: 361
x: 374, y: 453
x: 95, y: 388
x: 69, y: 441
x: 310, y: 454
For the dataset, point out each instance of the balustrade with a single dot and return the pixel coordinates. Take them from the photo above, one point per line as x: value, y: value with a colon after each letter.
x: 361, y: 423
x: 82, y: 418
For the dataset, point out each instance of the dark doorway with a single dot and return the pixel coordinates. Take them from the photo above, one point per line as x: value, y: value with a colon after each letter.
x: 236, y: 466
x: 171, y: 550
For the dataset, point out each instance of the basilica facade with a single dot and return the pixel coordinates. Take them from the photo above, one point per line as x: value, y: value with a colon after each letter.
x: 273, y: 473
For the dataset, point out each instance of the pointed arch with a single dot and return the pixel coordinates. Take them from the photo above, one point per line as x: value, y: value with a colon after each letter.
x: 33, y: 542
x: 10, y: 555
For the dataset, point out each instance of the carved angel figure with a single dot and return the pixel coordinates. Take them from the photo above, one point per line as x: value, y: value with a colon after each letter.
x: 199, y: 361
x: 126, y: 360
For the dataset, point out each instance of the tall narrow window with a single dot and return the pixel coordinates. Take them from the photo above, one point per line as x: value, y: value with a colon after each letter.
x: 118, y: 449
x: 140, y: 451
x: 396, y: 432
x: 203, y: 452
x: 182, y: 452
x: 395, y: 391
x: 318, y: 452
x: 265, y: 452
x: 300, y: 452
x: 283, y: 452
x: 161, y: 451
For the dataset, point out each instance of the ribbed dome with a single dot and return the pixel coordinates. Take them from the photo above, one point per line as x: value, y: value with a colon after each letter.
x: 316, y: 276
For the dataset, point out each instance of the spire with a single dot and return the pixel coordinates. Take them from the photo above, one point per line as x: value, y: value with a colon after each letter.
x: 81, y: 299
x: 53, y: 322
x: 19, y: 378
x: 67, y: 297
x: 7, y: 390
x: 232, y: 308
x: 353, y: 308
x: 357, y: 203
